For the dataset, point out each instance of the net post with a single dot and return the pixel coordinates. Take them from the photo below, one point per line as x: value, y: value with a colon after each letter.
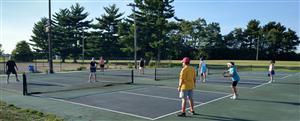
x: 24, y: 85
x: 155, y: 74
x: 132, y: 78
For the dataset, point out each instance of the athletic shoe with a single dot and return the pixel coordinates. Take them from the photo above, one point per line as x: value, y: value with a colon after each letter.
x: 270, y: 81
x: 181, y: 114
x: 192, y: 113
x: 204, y: 80
x: 17, y: 80
x: 233, y: 97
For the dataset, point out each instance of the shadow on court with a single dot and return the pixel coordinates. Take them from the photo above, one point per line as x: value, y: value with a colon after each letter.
x: 272, y: 101
x: 217, y: 118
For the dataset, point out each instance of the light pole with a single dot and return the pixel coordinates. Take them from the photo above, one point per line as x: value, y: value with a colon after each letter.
x: 49, y: 41
x: 257, y: 49
x: 83, y: 45
x: 134, y: 49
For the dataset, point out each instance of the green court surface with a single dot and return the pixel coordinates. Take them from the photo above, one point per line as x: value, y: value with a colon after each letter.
x: 148, y: 99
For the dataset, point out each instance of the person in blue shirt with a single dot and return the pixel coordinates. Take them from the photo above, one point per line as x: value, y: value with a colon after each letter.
x: 203, y: 70
x: 232, y: 72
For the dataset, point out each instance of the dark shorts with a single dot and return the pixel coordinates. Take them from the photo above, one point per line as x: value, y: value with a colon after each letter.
x: 93, y: 69
x: 102, y: 65
x: 9, y: 71
x: 272, y: 72
x: 234, y: 83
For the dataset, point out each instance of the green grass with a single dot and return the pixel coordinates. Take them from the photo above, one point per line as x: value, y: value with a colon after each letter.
x: 10, y: 112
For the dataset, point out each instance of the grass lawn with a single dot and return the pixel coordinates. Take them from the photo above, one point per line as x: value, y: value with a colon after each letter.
x: 9, y: 112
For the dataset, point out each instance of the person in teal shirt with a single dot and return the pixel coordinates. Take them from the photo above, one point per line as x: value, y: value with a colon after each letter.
x: 232, y: 72
x: 203, y: 70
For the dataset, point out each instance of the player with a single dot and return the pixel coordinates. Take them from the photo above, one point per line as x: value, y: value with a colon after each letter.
x: 203, y: 70
x: 271, y: 71
x: 102, y: 64
x: 141, y: 66
x: 187, y: 83
x: 93, y: 67
x: 11, y: 67
x: 232, y: 72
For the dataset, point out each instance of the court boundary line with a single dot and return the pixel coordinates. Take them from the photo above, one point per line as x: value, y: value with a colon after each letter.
x: 159, y: 97
x: 104, y: 109
x: 10, y: 90
x: 289, y: 75
x: 194, y: 107
x: 197, y: 90
x: 279, y: 79
x: 260, y: 85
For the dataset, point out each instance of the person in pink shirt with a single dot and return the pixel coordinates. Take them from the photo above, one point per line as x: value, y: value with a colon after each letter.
x: 102, y: 64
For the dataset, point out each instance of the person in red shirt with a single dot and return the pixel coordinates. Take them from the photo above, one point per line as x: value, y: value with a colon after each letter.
x: 102, y: 64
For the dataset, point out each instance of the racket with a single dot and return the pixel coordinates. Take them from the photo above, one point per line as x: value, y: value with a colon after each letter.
x: 225, y: 74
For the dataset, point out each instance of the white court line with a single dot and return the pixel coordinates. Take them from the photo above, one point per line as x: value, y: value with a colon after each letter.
x: 279, y: 78
x: 197, y: 90
x: 289, y: 75
x: 9, y: 90
x: 194, y: 107
x: 260, y: 85
x: 166, y: 98
x: 105, y: 109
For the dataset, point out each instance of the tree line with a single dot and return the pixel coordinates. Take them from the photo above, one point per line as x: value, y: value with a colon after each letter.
x: 160, y: 35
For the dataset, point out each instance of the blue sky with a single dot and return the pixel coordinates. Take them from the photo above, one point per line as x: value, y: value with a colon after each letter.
x: 17, y: 17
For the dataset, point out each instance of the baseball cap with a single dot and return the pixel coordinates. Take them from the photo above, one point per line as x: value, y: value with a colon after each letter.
x: 230, y: 63
x: 185, y: 60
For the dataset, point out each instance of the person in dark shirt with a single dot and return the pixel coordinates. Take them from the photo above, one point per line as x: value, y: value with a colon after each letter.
x: 141, y: 66
x: 93, y: 67
x: 11, y: 67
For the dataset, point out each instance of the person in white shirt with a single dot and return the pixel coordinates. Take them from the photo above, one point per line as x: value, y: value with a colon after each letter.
x: 271, y: 71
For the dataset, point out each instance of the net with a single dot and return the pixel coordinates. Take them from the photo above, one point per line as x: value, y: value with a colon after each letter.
x: 69, y: 81
x: 167, y: 73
